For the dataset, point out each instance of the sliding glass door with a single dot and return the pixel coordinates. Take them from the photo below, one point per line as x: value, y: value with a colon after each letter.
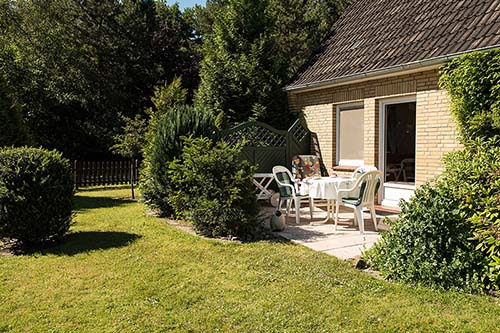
x: 397, y: 150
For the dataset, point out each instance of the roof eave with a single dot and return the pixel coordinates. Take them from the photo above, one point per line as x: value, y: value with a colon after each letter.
x: 383, y: 72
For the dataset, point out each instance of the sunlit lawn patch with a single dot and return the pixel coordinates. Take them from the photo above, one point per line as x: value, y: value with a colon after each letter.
x: 121, y: 271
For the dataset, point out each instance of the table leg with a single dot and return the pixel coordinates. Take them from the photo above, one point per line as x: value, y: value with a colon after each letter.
x: 329, y: 214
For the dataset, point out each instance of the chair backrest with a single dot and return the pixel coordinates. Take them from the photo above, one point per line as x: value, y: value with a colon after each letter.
x: 305, y: 166
x: 285, y: 181
x: 407, y: 170
x: 362, y: 169
x: 368, y: 185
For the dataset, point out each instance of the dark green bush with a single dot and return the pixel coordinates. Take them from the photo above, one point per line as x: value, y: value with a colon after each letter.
x: 448, y: 234
x: 474, y: 173
x: 36, y: 192
x: 214, y: 189
x: 429, y: 243
x: 167, y: 145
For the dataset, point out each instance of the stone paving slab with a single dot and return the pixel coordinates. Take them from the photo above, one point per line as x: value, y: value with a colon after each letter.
x: 346, y: 242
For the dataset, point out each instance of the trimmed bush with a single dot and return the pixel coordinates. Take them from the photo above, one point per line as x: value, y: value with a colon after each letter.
x: 215, y: 190
x: 36, y: 192
x: 165, y: 147
x: 429, y: 244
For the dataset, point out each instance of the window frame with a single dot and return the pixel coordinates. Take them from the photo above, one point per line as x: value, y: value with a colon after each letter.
x: 346, y: 107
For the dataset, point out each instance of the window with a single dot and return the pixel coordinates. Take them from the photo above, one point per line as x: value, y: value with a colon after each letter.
x: 350, y: 135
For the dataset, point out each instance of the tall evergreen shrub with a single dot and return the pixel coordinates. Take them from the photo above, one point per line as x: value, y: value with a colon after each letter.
x: 166, y: 145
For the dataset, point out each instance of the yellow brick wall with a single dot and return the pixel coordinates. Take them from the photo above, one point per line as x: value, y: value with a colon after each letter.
x: 435, y: 132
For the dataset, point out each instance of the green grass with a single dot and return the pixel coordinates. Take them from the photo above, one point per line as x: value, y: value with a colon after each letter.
x: 120, y: 271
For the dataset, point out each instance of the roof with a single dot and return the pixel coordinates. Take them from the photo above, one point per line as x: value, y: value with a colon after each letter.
x: 373, y: 35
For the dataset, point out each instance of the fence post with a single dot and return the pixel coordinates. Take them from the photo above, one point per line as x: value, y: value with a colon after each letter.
x: 132, y: 177
x: 75, y: 172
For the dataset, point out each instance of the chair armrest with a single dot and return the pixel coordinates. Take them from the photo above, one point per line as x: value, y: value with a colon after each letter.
x: 340, y: 192
x: 347, y: 190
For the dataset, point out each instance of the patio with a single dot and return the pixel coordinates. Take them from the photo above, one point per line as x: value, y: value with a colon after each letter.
x: 345, y: 243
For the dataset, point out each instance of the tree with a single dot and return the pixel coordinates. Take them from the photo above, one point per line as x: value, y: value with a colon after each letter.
x: 178, y: 46
x: 300, y: 26
x: 12, y: 129
x: 80, y: 67
x: 238, y: 73
x: 253, y: 48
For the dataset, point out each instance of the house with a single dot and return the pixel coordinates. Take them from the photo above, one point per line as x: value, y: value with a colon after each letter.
x: 371, y: 94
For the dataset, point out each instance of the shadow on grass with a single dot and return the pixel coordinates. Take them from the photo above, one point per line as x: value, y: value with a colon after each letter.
x: 85, y: 241
x: 82, y: 203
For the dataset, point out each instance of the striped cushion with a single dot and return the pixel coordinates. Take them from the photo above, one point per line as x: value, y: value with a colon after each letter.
x: 284, y: 190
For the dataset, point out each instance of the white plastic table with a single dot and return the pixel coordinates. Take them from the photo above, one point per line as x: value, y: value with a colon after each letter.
x: 325, y: 188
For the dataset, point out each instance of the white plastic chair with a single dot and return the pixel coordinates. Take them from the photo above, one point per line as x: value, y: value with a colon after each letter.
x: 288, y: 188
x: 407, y: 168
x: 357, y: 173
x: 366, y: 186
x: 361, y: 170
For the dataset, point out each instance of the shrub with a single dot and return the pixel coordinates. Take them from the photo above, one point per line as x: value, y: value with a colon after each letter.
x: 214, y: 189
x: 36, y: 193
x: 473, y: 83
x: 475, y: 174
x: 429, y: 243
x: 448, y: 235
x: 165, y: 147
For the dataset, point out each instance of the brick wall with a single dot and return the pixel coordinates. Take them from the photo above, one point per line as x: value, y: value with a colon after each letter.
x: 435, y: 134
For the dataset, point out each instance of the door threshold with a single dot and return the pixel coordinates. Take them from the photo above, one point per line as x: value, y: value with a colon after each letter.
x: 387, y: 209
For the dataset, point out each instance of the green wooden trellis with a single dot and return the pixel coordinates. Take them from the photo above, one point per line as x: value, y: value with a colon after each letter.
x: 266, y: 146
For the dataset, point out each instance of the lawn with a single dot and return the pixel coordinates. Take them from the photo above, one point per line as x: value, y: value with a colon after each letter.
x: 122, y: 271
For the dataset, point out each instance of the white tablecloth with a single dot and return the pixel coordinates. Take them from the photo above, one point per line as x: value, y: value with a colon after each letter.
x: 324, y: 187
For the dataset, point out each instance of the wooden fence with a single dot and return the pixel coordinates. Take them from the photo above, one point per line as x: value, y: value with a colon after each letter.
x: 266, y: 146
x: 99, y: 173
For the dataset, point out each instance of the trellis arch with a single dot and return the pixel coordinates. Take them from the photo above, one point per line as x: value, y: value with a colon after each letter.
x: 266, y: 146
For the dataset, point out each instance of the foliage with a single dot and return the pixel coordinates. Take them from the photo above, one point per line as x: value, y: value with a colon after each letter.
x: 131, y: 142
x: 178, y: 44
x: 448, y: 235
x: 167, y: 145
x: 252, y: 48
x: 473, y: 82
x: 79, y: 67
x: 12, y: 129
x: 36, y: 191
x: 429, y: 243
x: 299, y: 28
x: 237, y: 71
x: 214, y: 189
x: 475, y: 174
x: 166, y: 96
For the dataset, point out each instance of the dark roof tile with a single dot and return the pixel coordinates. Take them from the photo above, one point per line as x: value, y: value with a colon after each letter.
x: 376, y: 34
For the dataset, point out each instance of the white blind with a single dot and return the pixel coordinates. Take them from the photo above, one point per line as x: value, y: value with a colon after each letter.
x: 351, y: 135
